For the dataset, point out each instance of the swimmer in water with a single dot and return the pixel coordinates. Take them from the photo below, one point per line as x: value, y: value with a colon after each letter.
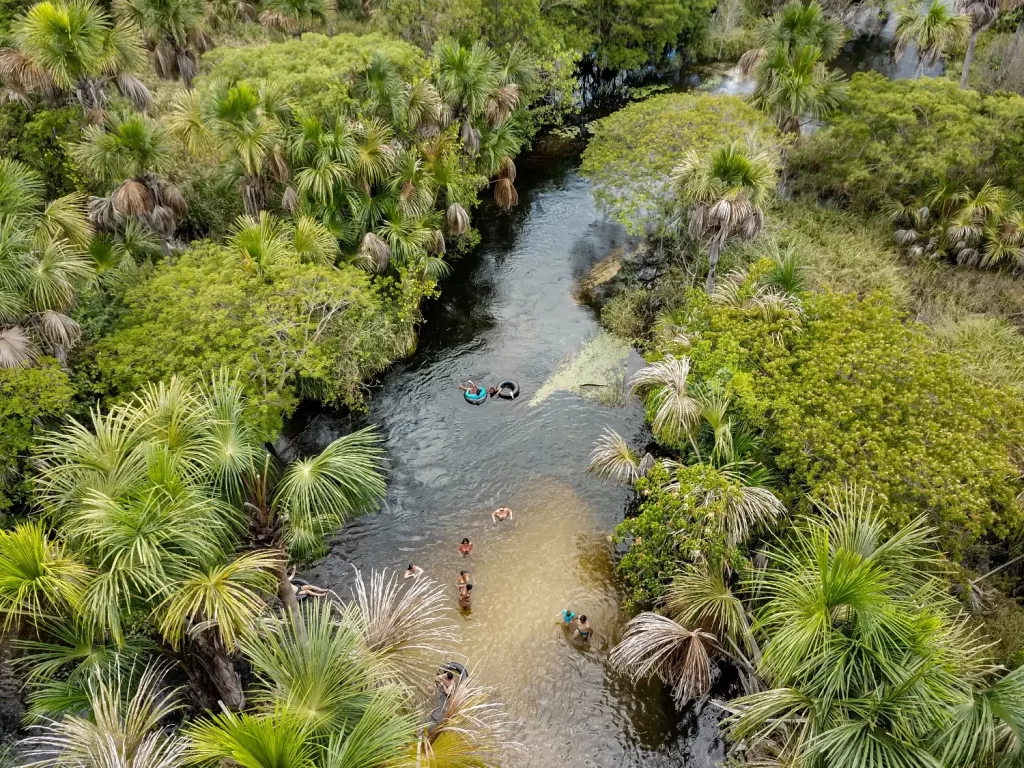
x: 465, y: 597
x: 413, y: 571
x: 470, y: 386
x: 466, y: 547
x: 446, y: 683
x: 501, y: 513
x: 583, y: 629
x: 302, y: 589
x: 464, y: 578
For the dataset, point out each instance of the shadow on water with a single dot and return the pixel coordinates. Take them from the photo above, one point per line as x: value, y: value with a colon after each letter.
x: 506, y: 311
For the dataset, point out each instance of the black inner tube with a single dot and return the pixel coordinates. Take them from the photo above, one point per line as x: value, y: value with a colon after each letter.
x: 508, y: 390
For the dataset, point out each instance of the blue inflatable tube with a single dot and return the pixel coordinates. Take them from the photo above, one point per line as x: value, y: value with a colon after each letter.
x: 476, y: 397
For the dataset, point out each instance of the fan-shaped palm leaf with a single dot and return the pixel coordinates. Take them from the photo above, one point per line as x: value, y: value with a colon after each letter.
x: 38, y: 579
x: 124, y: 729
x: 655, y: 645
x: 677, y: 413
x: 261, y: 241
x: 612, y: 459
x: 228, y: 598
x: 401, y: 627
x: 253, y: 741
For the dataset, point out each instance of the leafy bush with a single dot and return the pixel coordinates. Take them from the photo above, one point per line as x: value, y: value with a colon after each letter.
x: 40, y: 139
x: 626, y: 315
x: 28, y: 397
x: 634, y: 150
x: 307, y: 330
x: 315, y: 72
x: 854, y: 394
x: 903, y: 138
x: 672, y: 527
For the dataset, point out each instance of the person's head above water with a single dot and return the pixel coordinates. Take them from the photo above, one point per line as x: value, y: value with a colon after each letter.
x: 411, y: 566
x: 469, y: 587
x: 463, y: 573
x: 465, y: 541
x: 450, y: 676
x: 583, y: 618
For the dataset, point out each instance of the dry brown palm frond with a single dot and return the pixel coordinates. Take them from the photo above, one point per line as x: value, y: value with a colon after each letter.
x: 403, y: 625
x: 135, y: 91
x: 470, y: 138
x: 132, y: 198
x: 655, y: 645
x: 469, y: 728
x: 16, y: 348
x: 375, y: 249
x: 501, y: 103
x: 24, y: 74
x: 505, y: 193
x: 57, y: 329
x: 171, y: 197
x: 278, y: 21
x: 749, y: 60
x: 507, y: 169
x: 612, y: 459
x: 646, y: 464
x: 437, y: 244
x: 290, y: 200
x: 458, y: 220
x: 748, y: 508
x: 103, y: 214
x: 161, y: 220
x: 905, y: 237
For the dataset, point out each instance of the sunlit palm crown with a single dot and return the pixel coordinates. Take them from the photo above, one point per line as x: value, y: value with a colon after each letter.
x: 934, y: 30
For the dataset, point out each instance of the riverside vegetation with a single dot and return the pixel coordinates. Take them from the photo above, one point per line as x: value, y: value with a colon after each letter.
x: 212, y: 210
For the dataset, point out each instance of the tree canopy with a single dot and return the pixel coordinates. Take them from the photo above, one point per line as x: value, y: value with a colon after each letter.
x: 634, y: 150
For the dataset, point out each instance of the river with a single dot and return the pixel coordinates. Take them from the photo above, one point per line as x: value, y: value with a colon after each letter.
x: 507, y: 311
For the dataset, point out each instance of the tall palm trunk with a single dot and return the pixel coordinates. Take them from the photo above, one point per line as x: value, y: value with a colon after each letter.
x: 220, y: 669
x: 969, y: 57
x: 1011, y: 54
x: 714, y: 250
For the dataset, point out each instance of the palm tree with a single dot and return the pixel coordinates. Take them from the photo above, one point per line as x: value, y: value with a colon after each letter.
x: 265, y: 241
x: 174, y: 31
x: 666, y: 382
x: 39, y: 580
x: 933, y: 30
x: 241, y: 126
x: 401, y: 627
x: 124, y: 728
x: 724, y: 193
x: 295, y: 16
x: 184, y: 461
x: 706, y: 621
x: 981, y: 14
x: 795, y: 84
x: 74, y: 48
x: 42, y: 266
x: 133, y: 151
x: 797, y: 24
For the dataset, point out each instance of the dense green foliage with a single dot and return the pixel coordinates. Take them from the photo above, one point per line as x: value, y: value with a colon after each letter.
x: 302, y: 329
x: 315, y: 73
x: 40, y: 139
x: 839, y: 394
x: 634, y: 150
x: 902, y: 138
x: 28, y: 397
x: 673, y: 525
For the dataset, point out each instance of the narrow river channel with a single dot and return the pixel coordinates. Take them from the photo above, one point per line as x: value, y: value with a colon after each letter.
x: 507, y: 311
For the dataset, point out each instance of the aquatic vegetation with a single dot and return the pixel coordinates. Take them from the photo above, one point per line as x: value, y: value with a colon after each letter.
x: 597, y: 371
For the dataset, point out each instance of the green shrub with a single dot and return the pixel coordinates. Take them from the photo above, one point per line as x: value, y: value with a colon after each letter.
x: 29, y: 397
x: 315, y: 71
x: 855, y: 394
x: 672, y: 527
x: 633, y: 151
x: 309, y: 330
x: 898, y: 139
x: 40, y: 139
x: 627, y: 315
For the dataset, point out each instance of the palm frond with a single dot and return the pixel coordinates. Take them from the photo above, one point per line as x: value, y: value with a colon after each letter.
x: 612, y: 459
